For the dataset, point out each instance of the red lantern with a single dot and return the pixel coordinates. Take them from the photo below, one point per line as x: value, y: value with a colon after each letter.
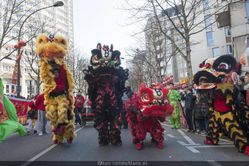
x: 22, y: 43
x: 16, y: 46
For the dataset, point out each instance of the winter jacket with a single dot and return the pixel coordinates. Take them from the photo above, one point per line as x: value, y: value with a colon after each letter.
x: 189, y: 101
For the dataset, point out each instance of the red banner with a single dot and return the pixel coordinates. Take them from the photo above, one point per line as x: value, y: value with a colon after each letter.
x: 21, y: 108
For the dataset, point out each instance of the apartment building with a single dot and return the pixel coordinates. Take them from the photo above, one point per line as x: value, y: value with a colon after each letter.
x: 56, y: 20
x: 226, y: 28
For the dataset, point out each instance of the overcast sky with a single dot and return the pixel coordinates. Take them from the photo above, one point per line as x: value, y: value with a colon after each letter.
x: 101, y: 21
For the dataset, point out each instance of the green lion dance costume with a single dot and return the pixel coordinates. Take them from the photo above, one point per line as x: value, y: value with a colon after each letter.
x: 8, y: 118
x: 174, y: 97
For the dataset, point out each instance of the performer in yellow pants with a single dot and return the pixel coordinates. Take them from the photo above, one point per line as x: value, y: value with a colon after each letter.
x: 231, y: 127
x: 57, y: 112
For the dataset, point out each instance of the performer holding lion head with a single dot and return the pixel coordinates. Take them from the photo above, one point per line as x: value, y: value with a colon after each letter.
x: 106, y: 85
x: 58, y: 86
x: 218, y: 76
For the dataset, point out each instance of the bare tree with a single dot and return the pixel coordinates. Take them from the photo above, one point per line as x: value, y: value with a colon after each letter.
x: 136, y: 74
x: 71, y: 60
x: 156, y: 50
x: 77, y: 63
x: 11, y: 17
x: 35, y: 27
x: 80, y: 83
x: 183, y: 17
x: 146, y: 65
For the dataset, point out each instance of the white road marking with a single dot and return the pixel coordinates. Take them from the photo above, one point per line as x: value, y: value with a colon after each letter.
x: 225, y: 143
x: 39, y: 155
x: 191, y: 145
x: 170, y: 135
x: 167, y: 125
x: 184, y: 144
x: 213, y: 163
x: 192, y: 149
x: 225, y: 140
x: 213, y: 146
x: 187, y: 138
x: 43, y: 152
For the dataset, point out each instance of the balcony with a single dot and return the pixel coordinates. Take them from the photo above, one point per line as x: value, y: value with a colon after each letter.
x: 240, y: 30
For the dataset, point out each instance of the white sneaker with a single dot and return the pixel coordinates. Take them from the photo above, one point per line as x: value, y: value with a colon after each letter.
x: 40, y: 134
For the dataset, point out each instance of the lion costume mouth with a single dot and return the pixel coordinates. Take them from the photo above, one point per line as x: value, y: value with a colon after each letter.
x: 157, y: 111
x: 54, y: 54
x: 206, y: 80
x: 51, y: 47
x: 209, y: 77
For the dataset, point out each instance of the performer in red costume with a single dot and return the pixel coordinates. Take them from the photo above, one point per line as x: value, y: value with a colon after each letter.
x: 145, y: 111
x: 219, y: 76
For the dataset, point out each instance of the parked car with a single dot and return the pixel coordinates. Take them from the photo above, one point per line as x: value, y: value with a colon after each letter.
x: 87, y: 115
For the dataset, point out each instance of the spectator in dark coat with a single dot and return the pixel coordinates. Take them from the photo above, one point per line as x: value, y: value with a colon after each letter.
x: 127, y: 95
x: 189, y: 106
x: 201, y: 113
x: 79, y: 105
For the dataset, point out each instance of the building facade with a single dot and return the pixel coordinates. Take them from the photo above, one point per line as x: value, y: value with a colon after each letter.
x: 54, y: 20
x: 226, y: 29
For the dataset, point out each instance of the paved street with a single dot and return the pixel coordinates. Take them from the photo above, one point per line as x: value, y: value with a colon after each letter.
x: 180, y: 146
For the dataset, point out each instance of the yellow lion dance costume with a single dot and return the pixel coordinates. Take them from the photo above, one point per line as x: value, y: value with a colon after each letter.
x: 58, y: 86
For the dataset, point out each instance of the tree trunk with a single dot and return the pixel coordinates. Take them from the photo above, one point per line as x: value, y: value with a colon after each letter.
x: 188, y: 61
x: 38, y: 85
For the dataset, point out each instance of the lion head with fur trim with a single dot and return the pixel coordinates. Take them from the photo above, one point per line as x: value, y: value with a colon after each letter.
x: 153, y: 101
x: 51, y: 47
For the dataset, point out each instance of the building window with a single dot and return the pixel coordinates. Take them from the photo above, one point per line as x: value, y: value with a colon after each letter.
x: 208, y: 22
x: 162, y: 63
x: 169, y: 69
x: 229, y: 49
x: 205, y: 4
x: 216, y: 51
x: 12, y: 88
x: 162, y: 71
x: 210, y: 38
x: 227, y: 31
x: 7, y: 89
x: 247, y: 10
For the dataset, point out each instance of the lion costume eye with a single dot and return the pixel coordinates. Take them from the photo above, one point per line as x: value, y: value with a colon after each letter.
x: 63, y: 42
x: 145, y: 97
x: 95, y: 59
x: 40, y: 41
x: 223, y: 66
x: 157, y: 93
x: 225, y: 63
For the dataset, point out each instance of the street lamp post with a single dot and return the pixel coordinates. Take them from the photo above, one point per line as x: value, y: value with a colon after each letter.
x: 30, y: 89
x: 18, y: 86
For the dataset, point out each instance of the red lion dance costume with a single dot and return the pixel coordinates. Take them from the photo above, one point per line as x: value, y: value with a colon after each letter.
x: 58, y: 86
x: 218, y: 76
x: 145, y: 111
x: 106, y: 84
